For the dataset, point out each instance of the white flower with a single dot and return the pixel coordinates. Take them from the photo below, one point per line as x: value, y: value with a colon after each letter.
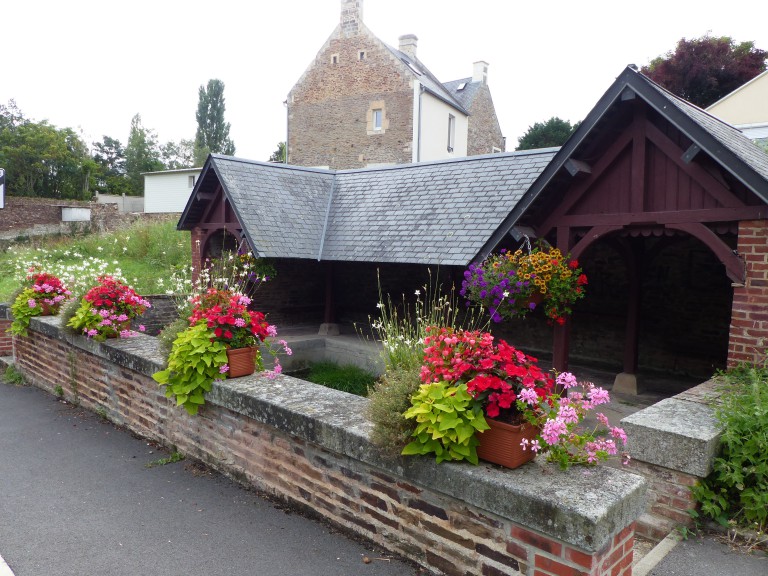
x: 418, y: 292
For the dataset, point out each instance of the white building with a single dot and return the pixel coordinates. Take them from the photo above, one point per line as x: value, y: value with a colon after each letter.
x: 168, y: 190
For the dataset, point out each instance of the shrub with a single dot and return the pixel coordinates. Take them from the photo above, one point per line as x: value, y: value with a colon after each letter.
x: 389, y: 399
x: 737, y: 488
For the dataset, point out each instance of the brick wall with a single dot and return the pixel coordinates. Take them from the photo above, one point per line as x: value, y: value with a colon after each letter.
x: 669, y: 499
x: 162, y: 313
x: 749, y: 316
x: 411, y: 507
x: 6, y: 341
x: 329, y: 107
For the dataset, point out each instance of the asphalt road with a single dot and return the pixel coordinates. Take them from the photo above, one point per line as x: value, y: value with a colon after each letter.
x: 76, y: 499
x: 710, y: 557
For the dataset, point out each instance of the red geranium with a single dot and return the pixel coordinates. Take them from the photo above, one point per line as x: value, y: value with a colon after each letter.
x: 495, y: 374
x: 228, y: 315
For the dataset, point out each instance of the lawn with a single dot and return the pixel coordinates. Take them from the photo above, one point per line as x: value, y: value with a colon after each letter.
x: 145, y: 254
x: 347, y: 378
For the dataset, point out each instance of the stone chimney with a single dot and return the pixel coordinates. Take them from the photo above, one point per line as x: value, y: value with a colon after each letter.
x: 408, y: 45
x: 351, y: 17
x: 480, y: 72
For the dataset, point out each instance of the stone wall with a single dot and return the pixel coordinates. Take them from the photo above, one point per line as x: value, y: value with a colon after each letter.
x: 330, y: 107
x: 484, y: 132
x: 309, y: 445
x: 749, y: 316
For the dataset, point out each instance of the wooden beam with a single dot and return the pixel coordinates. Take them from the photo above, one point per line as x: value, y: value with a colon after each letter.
x: 594, y: 234
x: 667, y: 217
x: 691, y: 153
x: 577, y: 191
x: 734, y: 266
x: 637, y: 177
x: 577, y: 167
x: 716, y: 189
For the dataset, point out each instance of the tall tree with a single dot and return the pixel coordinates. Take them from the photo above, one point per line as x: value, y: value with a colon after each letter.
x: 110, y: 177
x: 553, y: 132
x: 705, y: 69
x: 142, y: 154
x: 212, y: 131
x: 279, y: 154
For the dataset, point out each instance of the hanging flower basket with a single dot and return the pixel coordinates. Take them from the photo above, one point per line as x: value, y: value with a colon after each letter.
x: 512, y: 284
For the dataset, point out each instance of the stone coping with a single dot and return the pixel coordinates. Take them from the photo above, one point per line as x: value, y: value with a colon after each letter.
x: 680, y: 433
x: 583, y: 507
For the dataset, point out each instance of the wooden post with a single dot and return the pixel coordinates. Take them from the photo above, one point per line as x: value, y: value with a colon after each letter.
x: 562, y: 334
x: 627, y: 382
x: 329, y: 327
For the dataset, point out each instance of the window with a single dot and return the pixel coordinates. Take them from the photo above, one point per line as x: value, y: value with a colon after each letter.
x: 376, y: 121
x: 361, y: 55
x: 451, y: 132
x: 461, y: 86
x: 192, y: 181
x: 377, y: 116
x: 334, y: 59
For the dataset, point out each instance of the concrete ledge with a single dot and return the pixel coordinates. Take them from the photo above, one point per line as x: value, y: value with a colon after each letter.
x: 585, y: 508
x: 675, y: 433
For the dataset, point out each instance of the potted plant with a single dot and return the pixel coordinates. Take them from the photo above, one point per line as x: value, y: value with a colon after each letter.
x: 107, y: 310
x: 502, y: 406
x: 222, y: 340
x: 511, y: 284
x: 43, y: 297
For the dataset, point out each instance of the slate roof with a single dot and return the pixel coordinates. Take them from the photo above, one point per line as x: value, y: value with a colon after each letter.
x: 467, y: 94
x: 430, y: 213
x: 428, y: 80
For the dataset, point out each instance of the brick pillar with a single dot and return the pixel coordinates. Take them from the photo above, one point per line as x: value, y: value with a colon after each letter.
x: 748, y: 336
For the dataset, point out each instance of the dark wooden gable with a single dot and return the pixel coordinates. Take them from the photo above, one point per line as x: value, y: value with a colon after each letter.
x: 643, y: 176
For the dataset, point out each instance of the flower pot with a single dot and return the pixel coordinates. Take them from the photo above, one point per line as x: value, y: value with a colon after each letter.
x: 47, y: 309
x: 501, y: 444
x: 242, y: 361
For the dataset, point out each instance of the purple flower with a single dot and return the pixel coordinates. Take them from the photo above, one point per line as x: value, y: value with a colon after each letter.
x: 224, y: 368
x: 31, y: 303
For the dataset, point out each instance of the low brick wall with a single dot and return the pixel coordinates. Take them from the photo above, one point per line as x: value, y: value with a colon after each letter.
x: 6, y: 341
x: 673, y: 444
x: 309, y: 445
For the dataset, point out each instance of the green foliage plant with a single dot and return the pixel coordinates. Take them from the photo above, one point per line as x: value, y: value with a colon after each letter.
x: 737, y: 489
x: 389, y: 399
x: 447, y: 418
x: 193, y: 365
x: 13, y: 376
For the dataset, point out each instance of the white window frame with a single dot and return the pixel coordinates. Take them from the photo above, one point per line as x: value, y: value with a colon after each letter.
x: 451, y: 132
x: 377, y: 119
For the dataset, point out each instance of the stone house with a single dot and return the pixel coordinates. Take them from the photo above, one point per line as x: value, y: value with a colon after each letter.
x: 363, y: 103
x: 665, y: 206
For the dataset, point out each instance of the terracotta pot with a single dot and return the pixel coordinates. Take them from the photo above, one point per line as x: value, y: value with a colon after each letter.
x: 501, y: 444
x: 47, y: 309
x: 242, y: 361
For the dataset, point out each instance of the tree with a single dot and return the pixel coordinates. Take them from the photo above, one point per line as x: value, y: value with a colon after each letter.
x: 178, y: 155
x: 212, y: 131
x: 40, y: 159
x: 279, y: 154
x: 141, y: 155
x: 705, y: 69
x: 553, y: 132
x: 110, y: 176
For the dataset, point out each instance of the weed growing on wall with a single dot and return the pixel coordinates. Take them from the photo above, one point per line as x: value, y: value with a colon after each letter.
x: 737, y: 489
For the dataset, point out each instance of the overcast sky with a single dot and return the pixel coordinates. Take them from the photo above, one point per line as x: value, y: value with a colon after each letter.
x: 92, y: 65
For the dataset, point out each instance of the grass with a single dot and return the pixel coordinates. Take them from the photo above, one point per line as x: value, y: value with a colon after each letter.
x: 13, y: 376
x: 346, y: 378
x: 144, y: 254
x: 174, y: 457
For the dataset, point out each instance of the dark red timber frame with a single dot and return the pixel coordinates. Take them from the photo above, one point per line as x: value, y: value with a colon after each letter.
x: 648, y: 179
x: 217, y: 216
